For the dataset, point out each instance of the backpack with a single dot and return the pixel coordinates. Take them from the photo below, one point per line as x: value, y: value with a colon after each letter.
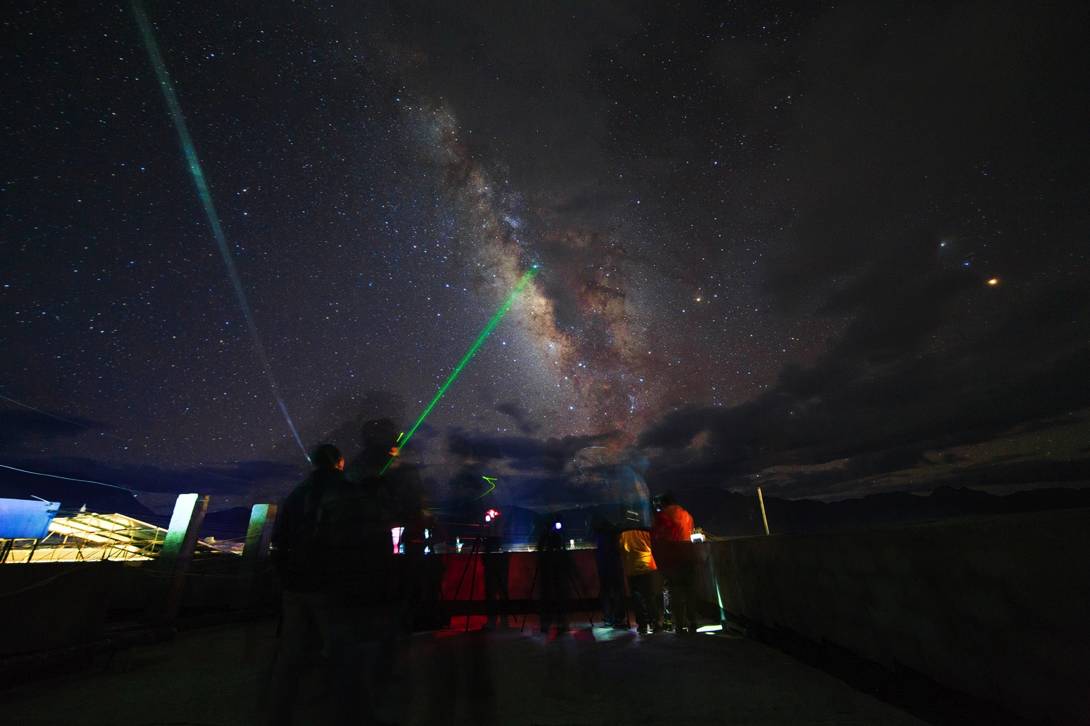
x: 351, y: 520
x: 343, y: 541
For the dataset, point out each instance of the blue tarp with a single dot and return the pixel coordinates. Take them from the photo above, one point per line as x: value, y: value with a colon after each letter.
x: 27, y: 518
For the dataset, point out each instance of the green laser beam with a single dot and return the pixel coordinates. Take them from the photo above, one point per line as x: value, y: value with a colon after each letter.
x: 174, y: 108
x: 488, y: 328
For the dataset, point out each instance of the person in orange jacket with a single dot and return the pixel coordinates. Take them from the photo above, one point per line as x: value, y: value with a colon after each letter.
x: 671, y: 537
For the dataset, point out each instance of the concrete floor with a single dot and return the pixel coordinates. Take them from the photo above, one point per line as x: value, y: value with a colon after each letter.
x: 213, y: 677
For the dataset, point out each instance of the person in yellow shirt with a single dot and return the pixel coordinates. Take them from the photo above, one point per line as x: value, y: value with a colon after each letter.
x: 643, y: 578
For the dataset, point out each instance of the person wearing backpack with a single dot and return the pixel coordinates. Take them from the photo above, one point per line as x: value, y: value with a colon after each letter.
x: 331, y: 549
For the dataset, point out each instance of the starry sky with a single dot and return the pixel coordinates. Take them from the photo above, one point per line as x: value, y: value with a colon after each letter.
x: 839, y: 248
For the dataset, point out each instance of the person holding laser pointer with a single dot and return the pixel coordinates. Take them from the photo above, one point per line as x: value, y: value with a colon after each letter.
x: 332, y: 549
x: 329, y: 552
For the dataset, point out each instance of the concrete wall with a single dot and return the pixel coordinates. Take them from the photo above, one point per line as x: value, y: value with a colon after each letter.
x: 52, y: 604
x: 996, y: 607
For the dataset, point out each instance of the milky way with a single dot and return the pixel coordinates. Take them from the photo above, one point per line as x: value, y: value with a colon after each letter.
x: 595, y: 353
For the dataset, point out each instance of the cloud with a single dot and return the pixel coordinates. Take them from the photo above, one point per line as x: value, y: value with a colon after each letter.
x: 19, y: 428
x: 525, y: 424
x: 530, y: 470
x: 224, y: 479
x: 901, y: 137
x: 877, y: 418
x: 520, y: 452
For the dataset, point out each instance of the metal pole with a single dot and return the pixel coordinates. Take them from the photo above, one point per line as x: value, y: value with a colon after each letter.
x: 764, y: 515
x: 473, y: 556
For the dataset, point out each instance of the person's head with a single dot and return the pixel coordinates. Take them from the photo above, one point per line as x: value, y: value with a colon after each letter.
x: 327, y: 457
x: 666, y: 500
x: 378, y: 439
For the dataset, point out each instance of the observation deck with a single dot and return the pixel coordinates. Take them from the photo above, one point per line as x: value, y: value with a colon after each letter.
x: 214, y: 677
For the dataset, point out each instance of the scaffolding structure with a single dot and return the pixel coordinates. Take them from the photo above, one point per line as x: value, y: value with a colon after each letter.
x: 91, y: 537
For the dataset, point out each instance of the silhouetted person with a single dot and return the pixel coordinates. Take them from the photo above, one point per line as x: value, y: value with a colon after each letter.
x: 495, y: 563
x: 643, y: 578
x: 395, y: 486
x: 671, y: 539
x: 331, y: 549
x: 607, y: 556
x: 421, y: 572
x: 553, y: 572
x: 399, y: 482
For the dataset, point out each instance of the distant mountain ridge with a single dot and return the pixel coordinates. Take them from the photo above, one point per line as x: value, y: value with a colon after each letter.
x: 717, y: 511
x: 731, y: 514
x: 725, y: 513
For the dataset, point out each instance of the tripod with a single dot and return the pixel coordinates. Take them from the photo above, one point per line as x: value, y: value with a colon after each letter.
x: 471, y: 562
x: 572, y: 580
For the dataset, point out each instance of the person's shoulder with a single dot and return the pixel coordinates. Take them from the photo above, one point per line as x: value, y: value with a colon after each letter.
x: 298, y: 491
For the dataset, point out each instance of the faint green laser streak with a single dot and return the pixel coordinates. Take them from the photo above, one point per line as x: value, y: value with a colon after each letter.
x: 197, y: 172
x: 488, y: 328
x: 491, y: 487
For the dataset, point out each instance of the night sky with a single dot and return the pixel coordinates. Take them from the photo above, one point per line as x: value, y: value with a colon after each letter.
x: 839, y: 249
